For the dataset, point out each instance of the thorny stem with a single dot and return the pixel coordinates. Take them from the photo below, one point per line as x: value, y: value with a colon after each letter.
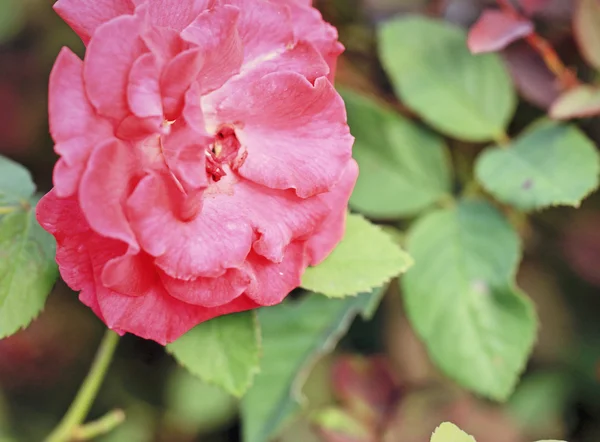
x: 565, y: 76
x: 80, y: 407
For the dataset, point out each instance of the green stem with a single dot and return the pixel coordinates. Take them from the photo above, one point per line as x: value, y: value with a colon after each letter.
x: 104, y: 425
x: 87, y: 393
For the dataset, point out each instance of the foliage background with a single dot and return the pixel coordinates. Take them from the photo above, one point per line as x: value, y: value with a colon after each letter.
x: 380, y: 379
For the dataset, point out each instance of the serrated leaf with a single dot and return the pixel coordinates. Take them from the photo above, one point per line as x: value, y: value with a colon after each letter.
x: 404, y: 168
x: 586, y: 28
x: 461, y: 301
x: 551, y: 164
x: 367, y: 257
x: 223, y: 351
x: 465, y: 96
x: 448, y: 432
x: 295, y: 335
x: 581, y: 101
x: 27, y: 267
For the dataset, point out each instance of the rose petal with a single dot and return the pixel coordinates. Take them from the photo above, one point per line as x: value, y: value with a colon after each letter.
x: 73, y: 122
x: 274, y: 281
x: 109, y: 58
x: 130, y: 274
x: 105, y: 187
x: 265, y: 28
x: 85, y: 16
x: 158, y: 316
x: 177, y: 77
x: 310, y: 26
x: 174, y: 14
x: 215, y: 31
x: 208, y: 292
x: 143, y: 90
x: 295, y: 133
x: 215, y: 240
x: 331, y: 232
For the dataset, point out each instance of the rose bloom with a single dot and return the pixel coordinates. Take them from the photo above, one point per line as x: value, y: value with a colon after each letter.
x: 205, y: 160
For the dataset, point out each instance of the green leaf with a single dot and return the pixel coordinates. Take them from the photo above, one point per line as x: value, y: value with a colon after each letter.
x: 463, y: 95
x: 295, y: 335
x: 448, y: 432
x: 404, y: 168
x: 551, y: 164
x: 367, y: 257
x: 223, y: 351
x: 586, y: 28
x: 15, y: 182
x: 196, y: 407
x: 460, y: 298
x: 27, y: 267
x: 581, y: 101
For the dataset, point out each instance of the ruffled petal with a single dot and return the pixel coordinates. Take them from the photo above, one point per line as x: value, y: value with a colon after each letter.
x: 331, y: 231
x: 158, y: 316
x: 143, y: 90
x: 215, y: 31
x: 177, y: 77
x: 273, y: 281
x: 295, y: 133
x: 296, y: 217
x: 130, y: 274
x: 206, y: 245
x: 174, y: 14
x: 265, y: 28
x: 85, y: 16
x: 105, y: 187
x: 109, y: 58
x: 74, y: 125
x: 310, y: 26
x: 208, y: 292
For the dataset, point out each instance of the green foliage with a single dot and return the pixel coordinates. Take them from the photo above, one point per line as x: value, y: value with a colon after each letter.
x: 539, y: 168
x: 465, y: 96
x: 448, y: 432
x: 295, y: 335
x: 197, y: 407
x: 27, y: 267
x: 581, y: 101
x: 404, y: 168
x: 367, y: 257
x: 461, y: 300
x: 223, y: 351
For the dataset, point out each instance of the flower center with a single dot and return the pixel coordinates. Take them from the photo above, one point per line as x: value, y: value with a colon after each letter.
x: 225, y: 150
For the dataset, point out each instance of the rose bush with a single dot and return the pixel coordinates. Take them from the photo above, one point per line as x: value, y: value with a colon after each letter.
x: 205, y: 160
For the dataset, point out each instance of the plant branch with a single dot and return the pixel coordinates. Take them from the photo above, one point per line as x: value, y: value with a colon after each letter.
x: 105, y: 424
x: 80, y: 407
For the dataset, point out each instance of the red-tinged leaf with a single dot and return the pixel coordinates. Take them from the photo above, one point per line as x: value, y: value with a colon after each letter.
x: 533, y: 79
x: 495, y: 30
x: 365, y: 387
x: 337, y: 425
x: 586, y: 26
x: 582, y: 101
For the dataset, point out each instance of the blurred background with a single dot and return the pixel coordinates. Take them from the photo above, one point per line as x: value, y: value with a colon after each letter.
x: 379, y: 381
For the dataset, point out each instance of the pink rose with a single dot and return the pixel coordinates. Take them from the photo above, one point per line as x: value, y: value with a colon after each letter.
x: 205, y: 157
